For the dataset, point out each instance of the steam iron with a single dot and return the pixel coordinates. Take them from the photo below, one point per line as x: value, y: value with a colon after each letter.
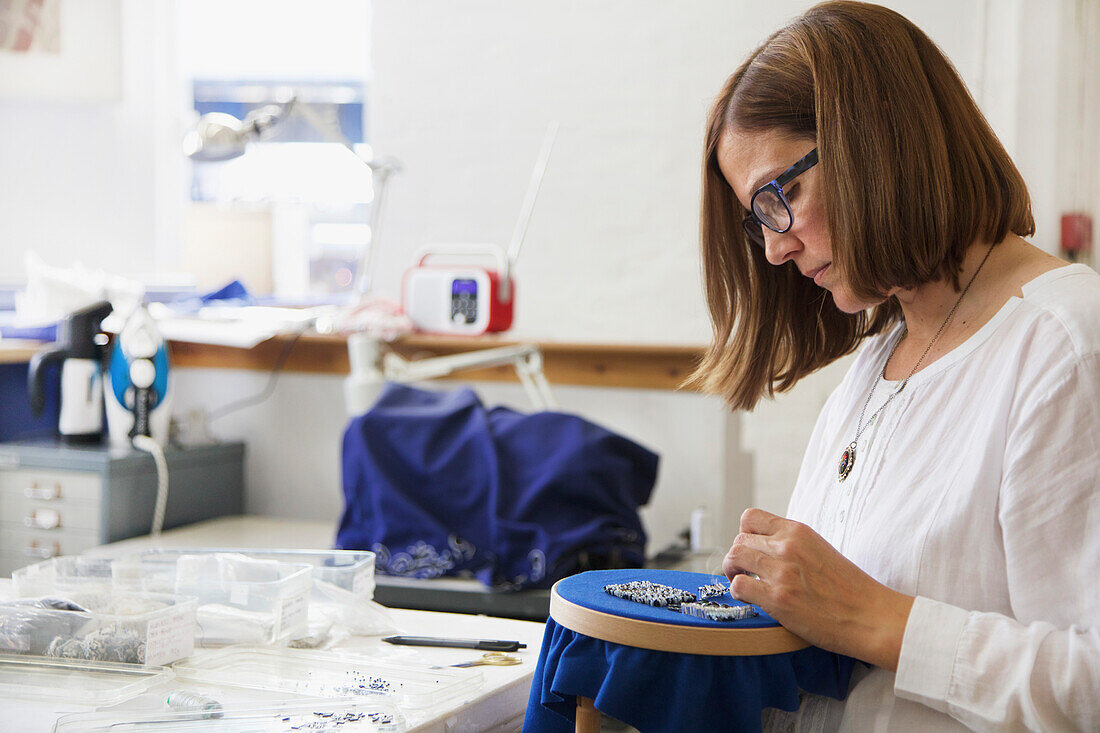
x: 138, y: 382
x: 79, y: 351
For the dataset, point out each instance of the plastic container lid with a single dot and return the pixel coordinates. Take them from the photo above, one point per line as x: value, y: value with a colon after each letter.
x: 76, y: 681
x: 333, y: 675
x: 351, y: 570
x: 327, y: 715
x: 60, y: 574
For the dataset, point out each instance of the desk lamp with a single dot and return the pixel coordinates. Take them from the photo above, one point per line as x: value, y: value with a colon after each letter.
x: 218, y: 136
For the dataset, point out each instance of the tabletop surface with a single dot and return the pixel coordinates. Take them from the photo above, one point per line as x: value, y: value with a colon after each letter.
x: 499, y: 703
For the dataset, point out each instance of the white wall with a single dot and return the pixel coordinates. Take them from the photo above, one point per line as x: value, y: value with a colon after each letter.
x: 79, y: 181
x: 461, y: 93
x: 274, y: 39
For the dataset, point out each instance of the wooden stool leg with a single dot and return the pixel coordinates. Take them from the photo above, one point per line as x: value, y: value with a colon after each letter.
x: 588, y: 717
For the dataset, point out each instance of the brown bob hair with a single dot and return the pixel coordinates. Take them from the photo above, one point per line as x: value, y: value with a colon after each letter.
x: 912, y: 176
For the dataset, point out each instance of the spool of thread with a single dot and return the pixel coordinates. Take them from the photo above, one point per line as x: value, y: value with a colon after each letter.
x: 193, y: 702
x: 699, y: 532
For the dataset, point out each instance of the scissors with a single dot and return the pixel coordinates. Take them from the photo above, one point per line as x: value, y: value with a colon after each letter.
x: 495, y: 659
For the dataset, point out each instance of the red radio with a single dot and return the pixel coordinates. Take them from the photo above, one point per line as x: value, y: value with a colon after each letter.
x: 459, y: 298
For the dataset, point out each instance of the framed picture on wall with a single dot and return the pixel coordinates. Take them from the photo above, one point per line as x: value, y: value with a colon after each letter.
x: 61, y: 50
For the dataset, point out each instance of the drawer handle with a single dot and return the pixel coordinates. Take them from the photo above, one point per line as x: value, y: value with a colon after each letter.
x: 34, y: 491
x: 45, y: 553
x: 43, y: 519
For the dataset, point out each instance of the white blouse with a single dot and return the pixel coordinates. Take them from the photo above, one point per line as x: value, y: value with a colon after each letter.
x: 977, y: 490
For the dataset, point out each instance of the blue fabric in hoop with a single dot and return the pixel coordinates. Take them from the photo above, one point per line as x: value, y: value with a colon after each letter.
x: 667, y: 691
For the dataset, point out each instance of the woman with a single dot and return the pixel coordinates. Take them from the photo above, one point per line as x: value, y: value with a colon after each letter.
x: 945, y: 527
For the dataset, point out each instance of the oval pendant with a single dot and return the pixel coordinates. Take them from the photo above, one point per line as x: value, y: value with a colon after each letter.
x: 847, y: 460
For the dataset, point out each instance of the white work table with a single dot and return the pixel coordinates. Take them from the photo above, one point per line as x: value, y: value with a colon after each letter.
x: 498, y: 705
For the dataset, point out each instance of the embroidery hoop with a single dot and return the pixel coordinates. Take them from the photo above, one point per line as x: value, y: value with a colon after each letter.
x: 711, y: 640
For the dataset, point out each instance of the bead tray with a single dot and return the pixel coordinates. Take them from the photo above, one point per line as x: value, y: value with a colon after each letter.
x: 333, y: 715
x: 75, y: 681
x: 332, y: 675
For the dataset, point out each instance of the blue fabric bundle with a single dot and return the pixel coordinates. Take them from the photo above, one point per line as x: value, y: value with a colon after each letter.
x: 436, y: 484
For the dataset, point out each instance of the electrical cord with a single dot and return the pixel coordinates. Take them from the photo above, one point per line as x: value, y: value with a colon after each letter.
x: 147, y: 444
x: 272, y: 379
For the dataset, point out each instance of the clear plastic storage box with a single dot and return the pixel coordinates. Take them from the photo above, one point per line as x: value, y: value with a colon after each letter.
x: 74, y: 681
x: 349, y: 570
x: 240, y: 599
x: 343, y: 586
x: 61, y: 574
x: 331, y: 715
x: 99, y: 624
x: 333, y: 675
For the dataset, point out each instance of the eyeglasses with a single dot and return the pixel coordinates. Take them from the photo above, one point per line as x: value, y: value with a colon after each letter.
x: 769, y: 206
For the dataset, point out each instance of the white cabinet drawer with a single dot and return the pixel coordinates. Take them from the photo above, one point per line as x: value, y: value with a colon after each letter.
x: 49, y: 515
x: 38, y: 545
x: 51, y: 485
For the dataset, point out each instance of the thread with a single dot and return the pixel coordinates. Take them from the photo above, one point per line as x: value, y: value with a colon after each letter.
x: 699, y: 534
x: 185, y: 701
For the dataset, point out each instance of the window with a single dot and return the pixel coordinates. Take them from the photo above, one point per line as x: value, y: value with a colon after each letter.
x: 301, y: 165
x: 290, y: 216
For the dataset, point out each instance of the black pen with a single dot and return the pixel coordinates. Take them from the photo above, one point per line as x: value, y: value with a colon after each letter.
x: 487, y: 645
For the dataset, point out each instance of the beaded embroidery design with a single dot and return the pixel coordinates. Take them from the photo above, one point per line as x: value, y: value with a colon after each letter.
x: 651, y: 594
x: 674, y: 599
x: 712, y: 590
x: 717, y: 611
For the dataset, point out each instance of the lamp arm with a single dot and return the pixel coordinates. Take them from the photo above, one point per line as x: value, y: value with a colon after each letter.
x: 525, y: 359
x: 399, y: 369
x: 381, y: 170
x: 533, y: 378
x: 370, y: 370
x: 332, y: 132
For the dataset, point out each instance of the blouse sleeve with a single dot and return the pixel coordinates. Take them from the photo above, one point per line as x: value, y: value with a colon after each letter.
x: 1041, y: 669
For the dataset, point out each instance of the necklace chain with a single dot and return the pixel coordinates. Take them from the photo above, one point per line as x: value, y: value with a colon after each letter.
x: 847, y: 460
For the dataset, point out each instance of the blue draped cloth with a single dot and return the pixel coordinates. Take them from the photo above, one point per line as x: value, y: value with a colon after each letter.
x: 667, y: 691
x: 437, y: 484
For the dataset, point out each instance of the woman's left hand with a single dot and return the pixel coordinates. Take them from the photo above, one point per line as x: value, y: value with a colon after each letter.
x: 814, y: 591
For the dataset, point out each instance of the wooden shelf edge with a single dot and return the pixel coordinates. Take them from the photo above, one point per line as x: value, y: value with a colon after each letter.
x: 638, y: 366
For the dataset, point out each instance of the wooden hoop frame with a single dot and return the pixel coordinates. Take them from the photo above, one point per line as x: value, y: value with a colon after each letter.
x: 671, y: 637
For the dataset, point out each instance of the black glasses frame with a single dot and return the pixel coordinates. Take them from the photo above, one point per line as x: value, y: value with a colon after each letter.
x: 752, y: 224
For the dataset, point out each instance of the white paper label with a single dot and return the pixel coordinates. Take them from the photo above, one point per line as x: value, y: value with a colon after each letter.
x: 363, y: 582
x: 294, y: 614
x: 170, y: 637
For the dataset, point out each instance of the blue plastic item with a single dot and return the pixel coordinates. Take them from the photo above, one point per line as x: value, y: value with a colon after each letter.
x: 17, y: 422
x: 33, y: 333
